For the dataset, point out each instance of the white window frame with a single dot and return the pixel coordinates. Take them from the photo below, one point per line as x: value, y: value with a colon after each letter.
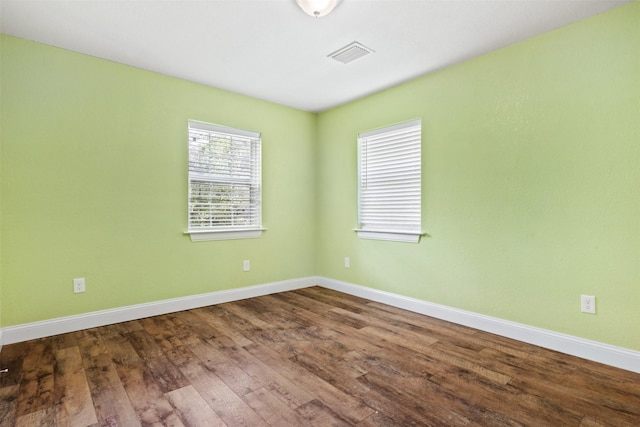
x: 387, y: 210
x: 250, y: 225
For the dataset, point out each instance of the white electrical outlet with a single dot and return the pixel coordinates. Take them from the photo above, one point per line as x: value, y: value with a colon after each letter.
x: 79, y: 285
x: 588, y: 304
x: 246, y: 265
x: 347, y: 262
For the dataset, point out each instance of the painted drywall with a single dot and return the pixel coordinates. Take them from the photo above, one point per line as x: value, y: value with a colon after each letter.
x: 531, y: 183
x: 94, y: 185
x: 1, y: 115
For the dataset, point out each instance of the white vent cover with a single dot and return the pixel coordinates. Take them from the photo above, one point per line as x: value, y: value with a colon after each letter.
x: 350, y: 53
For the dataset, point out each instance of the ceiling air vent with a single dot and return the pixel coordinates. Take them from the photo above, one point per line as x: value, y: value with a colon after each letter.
x: 350, y: 53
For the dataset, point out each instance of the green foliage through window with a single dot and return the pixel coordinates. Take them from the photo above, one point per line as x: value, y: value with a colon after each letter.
x: 224, y: 177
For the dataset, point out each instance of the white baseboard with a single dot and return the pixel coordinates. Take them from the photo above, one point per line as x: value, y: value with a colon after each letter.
x: 61, y: 325
x: 591, y: 350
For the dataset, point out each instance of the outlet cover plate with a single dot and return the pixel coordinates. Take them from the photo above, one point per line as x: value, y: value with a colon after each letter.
x: 588, y: 304
x: 79, y: 285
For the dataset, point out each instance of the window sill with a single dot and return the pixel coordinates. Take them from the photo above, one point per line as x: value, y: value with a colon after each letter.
x: 228, y: 234
x: 394, y: 236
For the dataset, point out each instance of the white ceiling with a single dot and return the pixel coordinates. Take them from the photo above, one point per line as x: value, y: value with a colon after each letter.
x: 270, y: 49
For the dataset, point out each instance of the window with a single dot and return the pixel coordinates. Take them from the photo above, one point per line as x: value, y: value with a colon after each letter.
x: 389, y: 187
x: 224, y: 182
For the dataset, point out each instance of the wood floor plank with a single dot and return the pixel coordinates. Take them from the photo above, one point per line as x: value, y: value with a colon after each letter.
x: 430, y: 407
x: 74, y: 405
x: 285, y: 326
x: 333, y: 299
x: 502, y: 400
x: 188, y: 323
x: 597, y: 405
x: 468, y: 364
x: 43, y: 418
x: 62, y: 341
x: 590, y: 422
x: 340, y: 402
x: 130, y: 326
x: 165, y: 334
x: 389, y: 356
x: 90, y: 343
x: 378, y: 419
x: 419, y: 392
x: 426, y: 358
x: 285, y: 387
x: 333, y: 374
x: 273, y: 410
x: 214, y: 322
x: 403, y: 412
x: 113, y: 407
x: 192, y: 408
x: 408, y: 338
x: 311, y: 356
x: 11, y: 358
x: 442, y: 326
x: 316, y: 306
x: 8, y: 405
x: 229, y: 372
x: 421, y: 344
x: 329, y: 356
x: 316, y: 413
x: 36, y: 388
x: 241, y: 318
x: 112, y: 404
x: 226, y: 404
x: 434, y: 329
x: 146, y: 396
x: 167, y: 375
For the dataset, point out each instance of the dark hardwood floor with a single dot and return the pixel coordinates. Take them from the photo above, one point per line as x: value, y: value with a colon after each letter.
x: 307, y: 357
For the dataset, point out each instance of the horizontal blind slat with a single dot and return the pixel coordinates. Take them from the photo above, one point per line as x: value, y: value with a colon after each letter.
x: 224, y: 176
x: 390, y: 178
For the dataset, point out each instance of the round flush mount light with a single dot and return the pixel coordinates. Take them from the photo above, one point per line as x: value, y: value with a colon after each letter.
x: 317, y: 8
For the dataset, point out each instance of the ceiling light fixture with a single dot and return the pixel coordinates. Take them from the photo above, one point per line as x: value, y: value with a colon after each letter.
x: 317, y: 8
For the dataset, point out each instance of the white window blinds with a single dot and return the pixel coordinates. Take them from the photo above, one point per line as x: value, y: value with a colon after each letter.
x: 390, y: 182
x: 224, y: 178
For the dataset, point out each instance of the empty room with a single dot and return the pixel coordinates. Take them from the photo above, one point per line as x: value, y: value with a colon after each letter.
x: 320, y: 212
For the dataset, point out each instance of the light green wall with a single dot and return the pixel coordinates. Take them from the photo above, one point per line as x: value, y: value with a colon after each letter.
x: 531, y: 183
x: 94, y: 184
x: 530, y: 194
x: 1, y: 115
